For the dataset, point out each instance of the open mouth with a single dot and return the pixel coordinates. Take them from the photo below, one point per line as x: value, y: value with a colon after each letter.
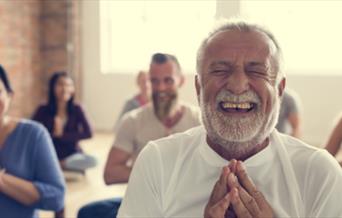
x: 243, y: 107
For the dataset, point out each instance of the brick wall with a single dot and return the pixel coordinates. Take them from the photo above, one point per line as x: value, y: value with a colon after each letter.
x: 37, y: 38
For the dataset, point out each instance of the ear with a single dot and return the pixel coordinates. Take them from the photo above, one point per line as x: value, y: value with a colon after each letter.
x: 198, y: 88
x: 281, y: 86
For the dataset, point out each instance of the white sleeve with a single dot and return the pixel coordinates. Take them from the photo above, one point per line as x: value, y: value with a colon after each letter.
x: 323, y: 184
x: 143, y: 195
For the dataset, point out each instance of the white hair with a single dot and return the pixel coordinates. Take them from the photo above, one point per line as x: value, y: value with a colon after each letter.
x: 244, y: 27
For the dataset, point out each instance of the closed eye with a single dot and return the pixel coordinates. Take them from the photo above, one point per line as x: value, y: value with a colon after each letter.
x: 219, y: 71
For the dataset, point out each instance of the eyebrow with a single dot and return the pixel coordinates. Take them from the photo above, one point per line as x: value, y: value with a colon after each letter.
x: 220, y: 64
x: 257, y: 64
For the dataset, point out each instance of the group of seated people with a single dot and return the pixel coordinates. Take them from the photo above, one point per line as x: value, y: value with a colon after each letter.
x: 223, y: 159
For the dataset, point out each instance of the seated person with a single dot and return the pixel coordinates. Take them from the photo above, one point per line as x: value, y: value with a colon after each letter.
x: 166, y: 115
x: 30, y: 176
x: 334, y: 142
x: 66, y: 123
x: 236, y: 165
x: 140, y: 99
x: 289, y: 121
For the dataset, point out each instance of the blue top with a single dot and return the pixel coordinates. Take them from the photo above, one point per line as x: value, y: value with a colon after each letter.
x: 28, y: 153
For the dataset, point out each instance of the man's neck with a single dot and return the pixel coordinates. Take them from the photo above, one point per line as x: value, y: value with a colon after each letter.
x: 174, y: 116
x: 238, y: 150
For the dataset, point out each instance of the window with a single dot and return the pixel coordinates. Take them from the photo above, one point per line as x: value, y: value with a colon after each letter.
x: 131, y: 31
x: 308, y: 31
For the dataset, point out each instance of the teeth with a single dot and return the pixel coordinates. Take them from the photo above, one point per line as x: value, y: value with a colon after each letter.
x: 238, y: 105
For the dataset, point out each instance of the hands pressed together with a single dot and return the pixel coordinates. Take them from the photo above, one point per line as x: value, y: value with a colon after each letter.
x: 235, y: 195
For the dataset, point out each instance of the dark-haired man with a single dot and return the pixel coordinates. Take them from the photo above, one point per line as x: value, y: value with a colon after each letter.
x: 165, y: 116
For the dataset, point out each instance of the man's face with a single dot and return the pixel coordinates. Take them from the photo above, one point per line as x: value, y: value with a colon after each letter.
x: 144, y: 83
x: 165, y: 81
x: 236, y: 88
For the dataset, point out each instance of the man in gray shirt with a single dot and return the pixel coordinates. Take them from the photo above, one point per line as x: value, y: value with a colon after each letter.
x: 289, y: 121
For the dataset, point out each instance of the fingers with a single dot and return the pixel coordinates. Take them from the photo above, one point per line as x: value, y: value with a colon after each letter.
x: 249, y: 185
x: 239, y: 207
x: 232, y: 165
x: 220, y: 188
x: 249, y: 202
x: 219, y: 209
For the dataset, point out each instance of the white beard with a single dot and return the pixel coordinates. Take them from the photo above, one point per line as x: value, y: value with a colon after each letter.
x: 238, y: 135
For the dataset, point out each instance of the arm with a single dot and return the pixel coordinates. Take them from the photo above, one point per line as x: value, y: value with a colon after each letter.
x: 295, y: 122
x: 116, y: 170
x: 19, y: 189
x: 48, y: 178
x: 294, y: 113
x: 335, y: 139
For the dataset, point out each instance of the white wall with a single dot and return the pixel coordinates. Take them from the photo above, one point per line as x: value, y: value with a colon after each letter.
x: 104, y: 95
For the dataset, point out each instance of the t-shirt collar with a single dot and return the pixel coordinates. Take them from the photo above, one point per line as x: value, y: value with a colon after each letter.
x: 214, y: 159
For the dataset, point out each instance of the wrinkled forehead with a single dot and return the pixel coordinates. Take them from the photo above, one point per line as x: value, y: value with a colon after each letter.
x: 233, y: 43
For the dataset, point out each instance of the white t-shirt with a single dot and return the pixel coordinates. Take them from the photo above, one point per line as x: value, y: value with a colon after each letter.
x: 174, y: 176
x: 140, y: 126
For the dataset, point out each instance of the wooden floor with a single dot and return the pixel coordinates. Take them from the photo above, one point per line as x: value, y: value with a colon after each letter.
x: 82, y: 189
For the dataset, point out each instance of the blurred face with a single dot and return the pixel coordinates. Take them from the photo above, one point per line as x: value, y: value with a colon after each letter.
x: 144, y: 83
x: 64, y: 89
x: 165, y: 81
x: 5, y: 99
x: 236, y: 88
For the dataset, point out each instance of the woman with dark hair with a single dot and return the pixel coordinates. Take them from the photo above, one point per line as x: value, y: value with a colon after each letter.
x: 30, y: 176
x: 66, y: 123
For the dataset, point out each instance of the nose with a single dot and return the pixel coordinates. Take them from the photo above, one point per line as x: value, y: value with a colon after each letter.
x: 160, y: 87
x: 238, y: 82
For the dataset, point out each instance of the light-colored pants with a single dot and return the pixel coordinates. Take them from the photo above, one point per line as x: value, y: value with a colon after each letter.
x: 79, y: 162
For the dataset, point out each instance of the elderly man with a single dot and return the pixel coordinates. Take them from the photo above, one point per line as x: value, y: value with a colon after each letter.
x: 167, y: 115
x: 237, y: 165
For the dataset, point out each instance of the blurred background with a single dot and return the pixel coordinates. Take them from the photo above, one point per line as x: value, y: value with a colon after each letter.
x: 104, y: 43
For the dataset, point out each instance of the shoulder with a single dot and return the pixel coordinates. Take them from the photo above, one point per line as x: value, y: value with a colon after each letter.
x: 140, y: 113
x: 295, y: 147
x: 33, y: 126
x: 291, y: 96
x: 309, y: 160
x: 30, y: 125
x: 135, y: 118
x: 30, y: 130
